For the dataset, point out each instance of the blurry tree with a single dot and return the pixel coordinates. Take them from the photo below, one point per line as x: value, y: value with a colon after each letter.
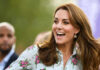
x: 29, y: 18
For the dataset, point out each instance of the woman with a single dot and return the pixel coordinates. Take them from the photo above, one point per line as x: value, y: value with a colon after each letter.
x: 60, y: 53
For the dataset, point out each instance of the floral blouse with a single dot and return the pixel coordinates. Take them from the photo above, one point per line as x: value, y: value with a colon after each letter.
x: 29, y: 60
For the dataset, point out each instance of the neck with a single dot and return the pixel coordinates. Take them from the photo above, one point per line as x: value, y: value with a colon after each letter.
x: 66, y: 49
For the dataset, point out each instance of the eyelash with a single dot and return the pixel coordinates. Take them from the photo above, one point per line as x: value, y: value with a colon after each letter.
x: 66, y: 22
x: 55, y: 21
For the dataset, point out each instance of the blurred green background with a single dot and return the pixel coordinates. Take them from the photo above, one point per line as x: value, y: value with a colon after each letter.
x: 29, y: 17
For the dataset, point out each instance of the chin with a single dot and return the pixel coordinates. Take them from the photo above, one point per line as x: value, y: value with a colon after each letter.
x: 5, y: 51
x: 60, y: 43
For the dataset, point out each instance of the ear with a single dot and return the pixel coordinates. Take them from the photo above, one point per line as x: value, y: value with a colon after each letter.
x: 77, y: 30
x: 14, y: 39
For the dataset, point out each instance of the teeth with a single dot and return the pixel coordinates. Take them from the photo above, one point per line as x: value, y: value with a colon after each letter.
x: 59, y: 33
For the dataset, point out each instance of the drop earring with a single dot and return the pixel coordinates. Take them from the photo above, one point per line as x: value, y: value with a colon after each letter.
x: 75, y: 36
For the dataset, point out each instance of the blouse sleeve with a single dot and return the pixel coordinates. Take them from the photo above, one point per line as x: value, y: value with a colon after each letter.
x: 26, y: 60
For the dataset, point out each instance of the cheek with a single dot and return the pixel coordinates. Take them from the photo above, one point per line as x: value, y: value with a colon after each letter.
x: 53, y: 27
x: 70, y: 28
x: 1, y: 41
x: 12, y: 41
x: 69, y: 31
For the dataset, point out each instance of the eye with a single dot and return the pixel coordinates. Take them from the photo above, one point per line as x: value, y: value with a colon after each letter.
x: 9, y: 36
x: 1, y: 35
x: 66, y: 22
x: 55, y: 21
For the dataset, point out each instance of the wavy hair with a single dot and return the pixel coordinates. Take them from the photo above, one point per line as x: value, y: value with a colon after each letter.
x: 89, y: 48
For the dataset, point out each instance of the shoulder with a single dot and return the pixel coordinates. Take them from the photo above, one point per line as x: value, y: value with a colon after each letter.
x: 30, y: 51
x: 14, y: 55
x: 33, y: 48
x: 12, y: 58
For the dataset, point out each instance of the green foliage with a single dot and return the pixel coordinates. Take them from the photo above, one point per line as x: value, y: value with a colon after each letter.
x: 29, y: 18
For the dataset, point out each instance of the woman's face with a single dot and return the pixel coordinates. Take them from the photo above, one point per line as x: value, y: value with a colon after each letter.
x: 62, y: 29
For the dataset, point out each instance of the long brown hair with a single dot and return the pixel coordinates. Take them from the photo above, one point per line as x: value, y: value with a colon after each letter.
x: 89, y: 48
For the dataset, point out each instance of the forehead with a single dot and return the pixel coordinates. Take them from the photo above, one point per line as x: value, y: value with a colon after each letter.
x: 5, y: 29
x: 62, y: 14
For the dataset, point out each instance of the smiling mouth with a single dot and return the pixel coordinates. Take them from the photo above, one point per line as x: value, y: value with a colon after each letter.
x: 60, y: 34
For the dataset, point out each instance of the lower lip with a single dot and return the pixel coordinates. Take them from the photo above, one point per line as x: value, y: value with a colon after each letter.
x: 59, y: 37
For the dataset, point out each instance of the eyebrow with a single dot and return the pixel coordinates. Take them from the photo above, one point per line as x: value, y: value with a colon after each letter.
x: 65, y: 19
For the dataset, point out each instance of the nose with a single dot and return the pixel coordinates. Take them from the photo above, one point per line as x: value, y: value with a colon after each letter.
x: 59, y: 26
x: 5, y: 38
